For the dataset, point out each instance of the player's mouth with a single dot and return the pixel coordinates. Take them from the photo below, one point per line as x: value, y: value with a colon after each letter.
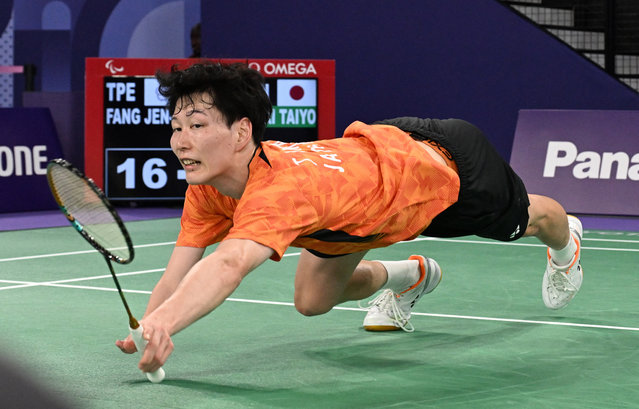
x: 189, y: 163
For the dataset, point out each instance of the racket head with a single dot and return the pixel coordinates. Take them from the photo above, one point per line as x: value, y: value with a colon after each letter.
x: 89, y: 211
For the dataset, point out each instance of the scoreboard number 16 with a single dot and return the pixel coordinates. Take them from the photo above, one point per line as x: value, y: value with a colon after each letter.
x: 143, y: 173
x: 153, y: 173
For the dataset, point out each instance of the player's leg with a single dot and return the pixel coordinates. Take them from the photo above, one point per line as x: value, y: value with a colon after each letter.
x: 323, y: 282
x: 547, y: 220
x: 494, y: 203
x: 562, y: 234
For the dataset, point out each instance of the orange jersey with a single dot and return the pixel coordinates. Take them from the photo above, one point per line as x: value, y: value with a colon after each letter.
x: 372, y: 188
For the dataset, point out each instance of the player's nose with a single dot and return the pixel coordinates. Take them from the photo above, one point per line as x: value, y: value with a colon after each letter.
x: 180, y: 141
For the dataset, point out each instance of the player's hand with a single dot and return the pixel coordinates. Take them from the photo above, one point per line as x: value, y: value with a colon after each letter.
x: 158, y: 348
x: 126, y: 345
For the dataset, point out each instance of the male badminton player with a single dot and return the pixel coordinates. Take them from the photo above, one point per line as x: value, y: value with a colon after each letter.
x: 336, y: 199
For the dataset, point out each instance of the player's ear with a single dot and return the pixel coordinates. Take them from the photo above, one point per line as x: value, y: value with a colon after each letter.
x: 244, y: 132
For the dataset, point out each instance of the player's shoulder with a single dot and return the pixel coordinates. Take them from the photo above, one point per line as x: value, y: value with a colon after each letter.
x: 206, y: 197
x: 282, y: 155
x: 201, y: 190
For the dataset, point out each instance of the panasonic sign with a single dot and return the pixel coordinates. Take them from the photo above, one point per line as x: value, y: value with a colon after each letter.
x: 590, y: 164
x: 586, y: 160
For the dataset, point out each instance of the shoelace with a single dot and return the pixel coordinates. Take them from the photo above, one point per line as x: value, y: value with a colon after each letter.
x: 562, y: 283
x: 387, y: 302
x: 559, y: 279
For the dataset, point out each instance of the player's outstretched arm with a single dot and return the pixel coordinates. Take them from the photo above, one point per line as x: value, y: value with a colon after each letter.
x: 181, y: 261
x: 208, y: 283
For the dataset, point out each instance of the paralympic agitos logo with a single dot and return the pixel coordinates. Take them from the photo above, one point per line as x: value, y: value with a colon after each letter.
x: 590, y: 164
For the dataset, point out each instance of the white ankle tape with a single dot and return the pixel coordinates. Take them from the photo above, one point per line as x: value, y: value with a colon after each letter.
x: 401, y: 274
x: 565, y: 255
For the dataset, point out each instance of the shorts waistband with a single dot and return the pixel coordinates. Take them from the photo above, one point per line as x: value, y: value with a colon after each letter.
x: 441, y: 151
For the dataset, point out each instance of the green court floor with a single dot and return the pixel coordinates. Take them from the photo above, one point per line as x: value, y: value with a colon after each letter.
x: 483, y: 339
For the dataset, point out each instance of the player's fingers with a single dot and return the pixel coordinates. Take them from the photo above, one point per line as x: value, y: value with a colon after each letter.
x: 164, y: 348
x: 149, y: 349
x: 157, y: 351
x: 162, y: 353
x: 148, y: 360
x: 126, y: 345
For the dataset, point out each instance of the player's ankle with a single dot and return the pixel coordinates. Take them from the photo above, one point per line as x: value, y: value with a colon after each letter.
x: 565, y: 255
x: 401, y: 274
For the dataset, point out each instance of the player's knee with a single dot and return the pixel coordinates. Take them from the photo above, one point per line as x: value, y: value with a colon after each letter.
x: 310, y: 308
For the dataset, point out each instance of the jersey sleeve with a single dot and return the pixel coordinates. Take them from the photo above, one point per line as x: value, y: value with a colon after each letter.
x: 203, y: 222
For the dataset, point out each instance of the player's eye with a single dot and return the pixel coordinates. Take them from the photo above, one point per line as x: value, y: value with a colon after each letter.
x: 176, y: 130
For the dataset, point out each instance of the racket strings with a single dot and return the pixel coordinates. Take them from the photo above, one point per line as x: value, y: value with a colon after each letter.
x: 88, y: 211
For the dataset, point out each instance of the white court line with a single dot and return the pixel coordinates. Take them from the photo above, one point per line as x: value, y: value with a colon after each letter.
x: 466, y: 241
x: 58, y: 283
x: 80, y: 287
x: 612, y: 240
x: 290, y: 304
x: 510, y: 243
x: 73, y: 253
x: 62, y: 284
x: 23, y: 284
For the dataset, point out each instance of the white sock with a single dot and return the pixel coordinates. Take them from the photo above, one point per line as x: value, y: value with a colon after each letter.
x: 401, y: 274
x: 564, y: 256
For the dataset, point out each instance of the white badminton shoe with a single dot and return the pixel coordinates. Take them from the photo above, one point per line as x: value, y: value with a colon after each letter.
x: 561, y: 283
x: 391, y: 311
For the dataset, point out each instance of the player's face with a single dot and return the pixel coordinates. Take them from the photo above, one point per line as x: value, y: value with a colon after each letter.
x: 202, y: 141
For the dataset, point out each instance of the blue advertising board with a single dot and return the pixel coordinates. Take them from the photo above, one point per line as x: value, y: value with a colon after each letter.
x: 28, y: 140
x: 588, y: 160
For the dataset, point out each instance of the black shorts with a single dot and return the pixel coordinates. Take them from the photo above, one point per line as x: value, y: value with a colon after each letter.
x: 493, y: 201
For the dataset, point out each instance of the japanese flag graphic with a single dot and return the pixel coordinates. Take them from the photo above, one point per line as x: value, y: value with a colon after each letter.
x: 296, y: 93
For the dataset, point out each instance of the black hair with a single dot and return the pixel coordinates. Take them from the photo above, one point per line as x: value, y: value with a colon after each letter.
x: 236, y: 90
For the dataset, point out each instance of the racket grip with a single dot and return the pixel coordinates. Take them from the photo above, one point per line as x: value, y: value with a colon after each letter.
x: 140, y: 344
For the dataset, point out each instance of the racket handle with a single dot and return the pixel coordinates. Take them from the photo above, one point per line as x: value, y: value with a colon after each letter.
x: 140, y: 344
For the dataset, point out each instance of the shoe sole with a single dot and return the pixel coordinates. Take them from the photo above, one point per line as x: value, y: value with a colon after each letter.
x: 435, y: 276
x: 381, y: 328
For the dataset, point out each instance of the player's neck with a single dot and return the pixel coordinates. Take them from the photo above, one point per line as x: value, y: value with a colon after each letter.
x: 233, y: 182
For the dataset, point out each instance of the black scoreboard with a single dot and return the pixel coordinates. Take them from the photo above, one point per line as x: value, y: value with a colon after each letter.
x: 138, y: 161
x: 127, y: 128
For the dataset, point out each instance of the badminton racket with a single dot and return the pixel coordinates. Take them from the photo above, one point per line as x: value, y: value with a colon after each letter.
x: 94, y: 217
